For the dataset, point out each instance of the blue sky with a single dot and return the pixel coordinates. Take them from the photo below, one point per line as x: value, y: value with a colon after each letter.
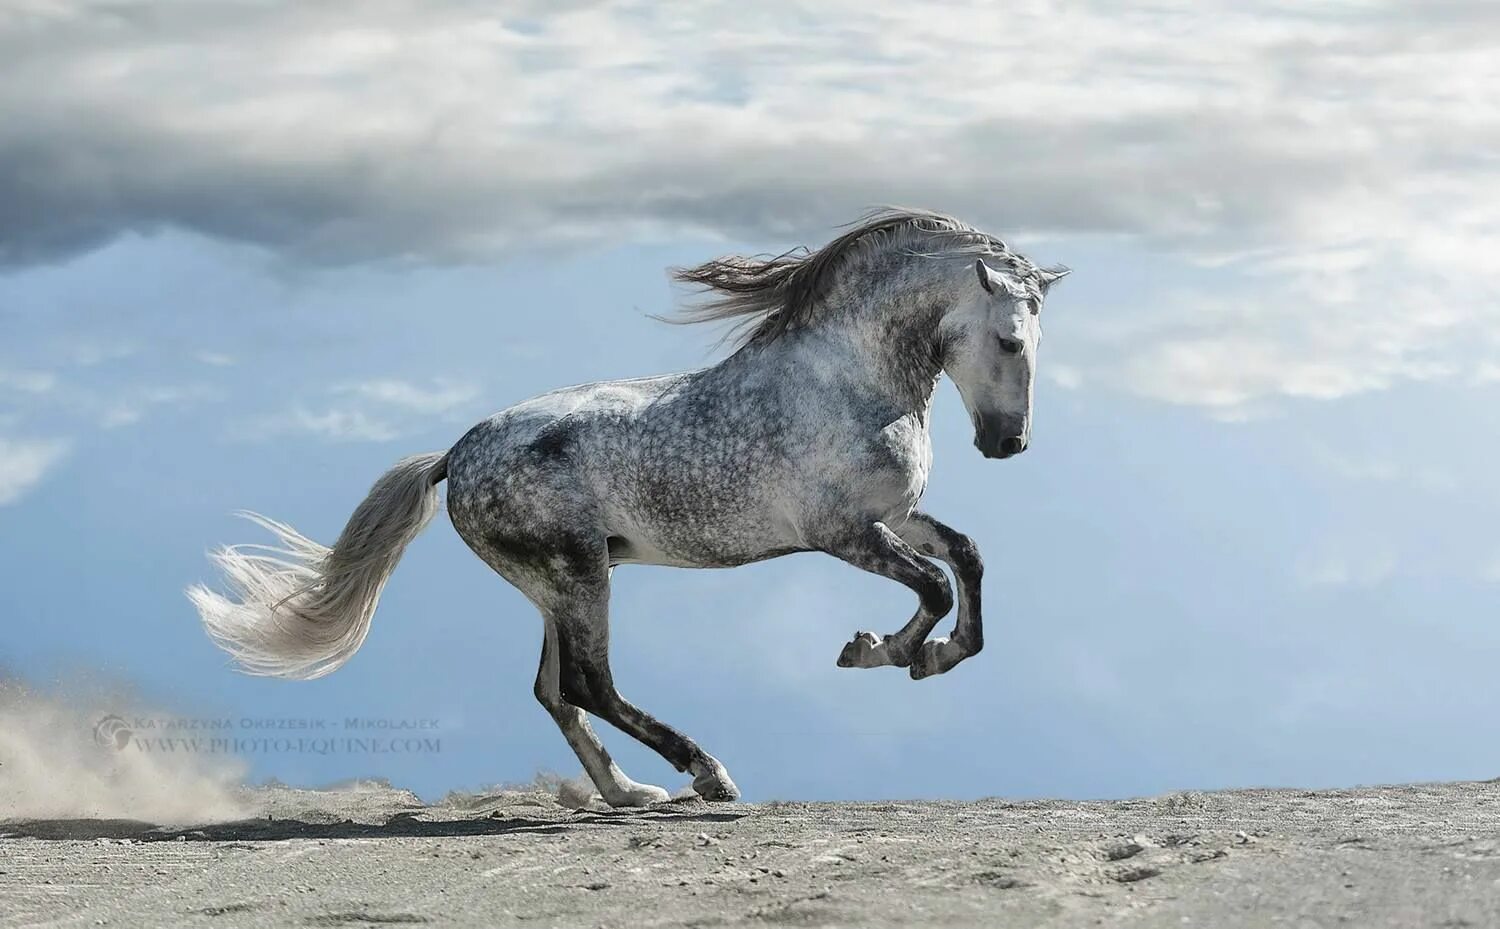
x: 1252, y: 542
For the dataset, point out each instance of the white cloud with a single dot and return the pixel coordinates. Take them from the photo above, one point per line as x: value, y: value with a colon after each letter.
x: 1306, y: 337
x: 1487, y: 372
x: 88, y: 354
x: 126, y: 407
x: 31, y: 382
x: 101, y: 399
x: 433, y: 129
x: 24, y: 463
x: 333, y: 424
x: 384, y: 409
x: 344, y: 425
x: 1065, y: 376
x: 120, y: 415
x: 1319, y: 159
x: 442, y: 397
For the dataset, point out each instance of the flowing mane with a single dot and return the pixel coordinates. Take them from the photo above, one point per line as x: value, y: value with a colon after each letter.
x: 770, y: 295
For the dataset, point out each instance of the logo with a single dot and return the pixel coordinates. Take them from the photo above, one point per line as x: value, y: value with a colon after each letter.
x: 112, y: 732
x: 268, y: 735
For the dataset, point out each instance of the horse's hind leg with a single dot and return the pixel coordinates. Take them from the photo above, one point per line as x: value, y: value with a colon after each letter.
x: 581, y: 617
x: 613, y: 785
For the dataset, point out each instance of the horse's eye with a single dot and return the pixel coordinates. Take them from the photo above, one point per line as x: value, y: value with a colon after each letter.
x: 1010, y: 346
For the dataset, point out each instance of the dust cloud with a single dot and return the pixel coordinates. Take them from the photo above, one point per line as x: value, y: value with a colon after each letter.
x: 75, y: 757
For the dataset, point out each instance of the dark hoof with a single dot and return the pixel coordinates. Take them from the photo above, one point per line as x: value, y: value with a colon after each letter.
x: 856, y: 653
x: 937, y: 656
x: 715, y: 786
x: 715, y: 791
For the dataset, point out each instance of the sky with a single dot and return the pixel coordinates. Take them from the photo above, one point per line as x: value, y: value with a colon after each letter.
x: 251, y: 253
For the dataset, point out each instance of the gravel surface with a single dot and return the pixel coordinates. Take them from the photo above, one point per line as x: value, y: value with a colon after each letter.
x: 371, y: 855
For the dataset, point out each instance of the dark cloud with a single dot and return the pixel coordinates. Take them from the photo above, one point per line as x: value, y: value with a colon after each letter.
x: 344, y: 132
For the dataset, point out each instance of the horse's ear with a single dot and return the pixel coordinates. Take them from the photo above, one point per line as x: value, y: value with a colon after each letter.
x: 986, y: 275
x: 1050, y: 276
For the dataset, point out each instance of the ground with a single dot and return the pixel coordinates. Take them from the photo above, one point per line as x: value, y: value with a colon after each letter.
x: 365, y: 854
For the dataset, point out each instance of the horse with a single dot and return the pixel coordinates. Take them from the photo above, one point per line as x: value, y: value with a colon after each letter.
x: 811, y: 435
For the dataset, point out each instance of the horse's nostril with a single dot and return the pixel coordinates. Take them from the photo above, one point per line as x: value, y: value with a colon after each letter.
x: 1013, y: 445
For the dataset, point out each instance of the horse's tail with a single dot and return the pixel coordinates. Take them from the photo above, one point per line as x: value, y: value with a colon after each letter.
x: 301, y: 610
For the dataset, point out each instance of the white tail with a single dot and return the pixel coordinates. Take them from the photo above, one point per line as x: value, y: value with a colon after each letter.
x: 302, y: 609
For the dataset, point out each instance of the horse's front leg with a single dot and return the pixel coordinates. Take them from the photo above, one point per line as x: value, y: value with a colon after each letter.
x: 877, y: 549
x: 959, y: 552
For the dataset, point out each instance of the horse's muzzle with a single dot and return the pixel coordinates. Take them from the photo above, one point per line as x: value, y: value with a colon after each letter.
x: 999, y: 435
x: 1006, y: 448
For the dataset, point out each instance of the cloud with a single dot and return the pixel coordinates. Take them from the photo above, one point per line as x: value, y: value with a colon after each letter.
x: 128, y: 406
x: 1064, y: 376
x: 24, y: 463
x: 1270, y: 334
x: 442, y: 397
x: 31, y: 382
x: 1326, y: 159
x: 99, y: 398
x: 341, y: 131
x: 88, y: 354
x: 385, y: 409
x: 332, y: 424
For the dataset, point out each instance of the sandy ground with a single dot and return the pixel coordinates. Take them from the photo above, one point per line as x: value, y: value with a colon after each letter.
x: 370, y: 855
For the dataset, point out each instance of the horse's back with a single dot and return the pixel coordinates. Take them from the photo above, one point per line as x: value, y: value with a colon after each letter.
x: 666, y: 470
x: 523, y: 471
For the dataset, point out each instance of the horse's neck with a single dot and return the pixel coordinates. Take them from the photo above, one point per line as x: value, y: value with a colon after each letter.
x: 875, y: 338
x: 888, y: 329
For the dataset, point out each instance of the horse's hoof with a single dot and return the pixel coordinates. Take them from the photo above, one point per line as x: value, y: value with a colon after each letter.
x: 715, y: 786
x: 919, y: 668
x: 638, y: 795
x: 936, y: 656
x: 865, y: 650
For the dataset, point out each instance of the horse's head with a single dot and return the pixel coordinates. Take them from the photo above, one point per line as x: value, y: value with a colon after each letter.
x: 989, y: 340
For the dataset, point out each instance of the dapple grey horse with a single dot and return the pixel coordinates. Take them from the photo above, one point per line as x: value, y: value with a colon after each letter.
x: 811, y: 436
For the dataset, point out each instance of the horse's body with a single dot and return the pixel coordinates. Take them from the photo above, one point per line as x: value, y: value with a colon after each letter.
x: 813, y: 436
x: 731, y: 464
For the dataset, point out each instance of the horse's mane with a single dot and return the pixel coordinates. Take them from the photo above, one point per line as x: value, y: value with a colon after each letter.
x: 771, y: 294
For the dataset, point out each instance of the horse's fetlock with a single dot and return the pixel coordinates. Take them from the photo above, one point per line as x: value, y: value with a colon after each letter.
x: 900, y: 651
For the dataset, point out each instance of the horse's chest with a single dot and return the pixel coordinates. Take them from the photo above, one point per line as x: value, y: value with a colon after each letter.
x: 886, y: 474
x: 907, y: 455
